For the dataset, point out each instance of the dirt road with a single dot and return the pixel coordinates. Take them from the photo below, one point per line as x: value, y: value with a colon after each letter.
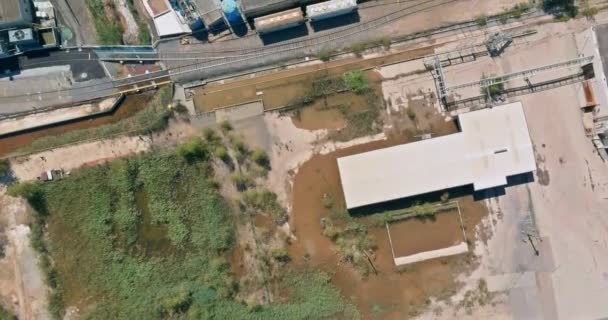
x: 22, y: 286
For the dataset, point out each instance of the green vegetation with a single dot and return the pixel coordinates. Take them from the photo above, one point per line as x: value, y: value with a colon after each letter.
x: 109, y: 32
x: 355, y: 81
x: 325, y: 54
x: 4, y: 167
x: 147, y: 238
x: 482, y: 20
x: 225, y: 126
x: 589, y: 12
x: 261, y: 200
x: 492, y: 91
x: 154, y: 118
x: 260, y: 157
x: 354, y: 243
x: 143, y: 34
x: 418, y: 210
x: 193, y: 150
x: 6, y: 315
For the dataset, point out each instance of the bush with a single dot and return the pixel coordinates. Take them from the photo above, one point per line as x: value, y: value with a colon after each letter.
x: 266, y: 202
x: 221, y: 153
x: 193, y: 150
x: 325, y: 55
x: 4, y: 167
x: 260, y: 157
x: 328, y: 201
x: 482, y: 20
x: 242, y: 181
x: 355, y: 81
x: 589, y: 12
x: 281, y: 255
x: 225, y: 126
x: 358, y: 48
x: 411, y: 114
x: 445, y: 197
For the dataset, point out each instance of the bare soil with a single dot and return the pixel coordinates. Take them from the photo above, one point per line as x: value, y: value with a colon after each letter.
x: 418, y: 235
x: 22, y: 287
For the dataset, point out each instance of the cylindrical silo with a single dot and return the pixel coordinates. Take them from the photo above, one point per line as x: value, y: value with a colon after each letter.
x: 231, y: 12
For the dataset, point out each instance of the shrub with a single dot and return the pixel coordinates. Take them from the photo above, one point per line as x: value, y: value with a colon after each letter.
x: 358, y: 48
x: 445, y: 197
x: 194, y: 149
x: 221, y: 153
x: 226, y: 126
x: 262, y: 200
x: 482, y: 20
x: 328, y: 201
x: 325, y: 55
x: 4, y: 167
x: 260, y: 157
x: 411, y: 114
x: 589, y: 12
x: 242, y: 181
x: 355, y: 81
x: 281, y: 255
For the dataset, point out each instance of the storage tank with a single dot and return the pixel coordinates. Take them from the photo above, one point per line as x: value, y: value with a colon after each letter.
x: 231, y: 12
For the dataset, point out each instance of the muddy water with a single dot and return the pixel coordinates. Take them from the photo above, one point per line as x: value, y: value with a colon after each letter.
x: 129, y: 106
x: 279, y: 88
x: 443, y: 231
x: 390, y: 294
x: 151, y: 238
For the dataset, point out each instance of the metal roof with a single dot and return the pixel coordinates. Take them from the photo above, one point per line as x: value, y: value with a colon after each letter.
x: 279, y: 19
x: 328, y: 7
x: 493, y: 145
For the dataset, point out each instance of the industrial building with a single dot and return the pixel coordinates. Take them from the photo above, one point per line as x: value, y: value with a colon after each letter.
x: 330, y: 9
x: 26, y: 26
x: 493, y: 144
x: 210, y: 12
x: 279, y: 21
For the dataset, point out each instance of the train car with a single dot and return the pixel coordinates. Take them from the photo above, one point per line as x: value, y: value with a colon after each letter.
x: 330, y: 9
x: 279, y: 21
x: 257, y: 8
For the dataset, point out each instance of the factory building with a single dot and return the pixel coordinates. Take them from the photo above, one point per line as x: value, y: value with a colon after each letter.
x: 493, y: 144
x: 26, y: 26
x: 330, y: 9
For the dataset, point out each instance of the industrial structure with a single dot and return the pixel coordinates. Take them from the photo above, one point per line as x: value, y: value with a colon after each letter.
x: 493, y: 145
x: 279, y: 21
x: 330, y: 9
x: 26, y: 26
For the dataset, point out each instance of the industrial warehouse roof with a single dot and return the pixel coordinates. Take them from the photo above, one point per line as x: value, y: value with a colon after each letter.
x: 493, y: 145
x: 15, y: 13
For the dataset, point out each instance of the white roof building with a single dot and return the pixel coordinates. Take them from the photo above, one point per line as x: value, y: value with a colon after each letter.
x: 493, y: 145
x: 170, y: 24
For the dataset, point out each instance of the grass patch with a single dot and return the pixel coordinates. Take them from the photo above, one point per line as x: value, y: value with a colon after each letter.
x: 109, y: 32
x: 95, y: 243
x: 153, y: 118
